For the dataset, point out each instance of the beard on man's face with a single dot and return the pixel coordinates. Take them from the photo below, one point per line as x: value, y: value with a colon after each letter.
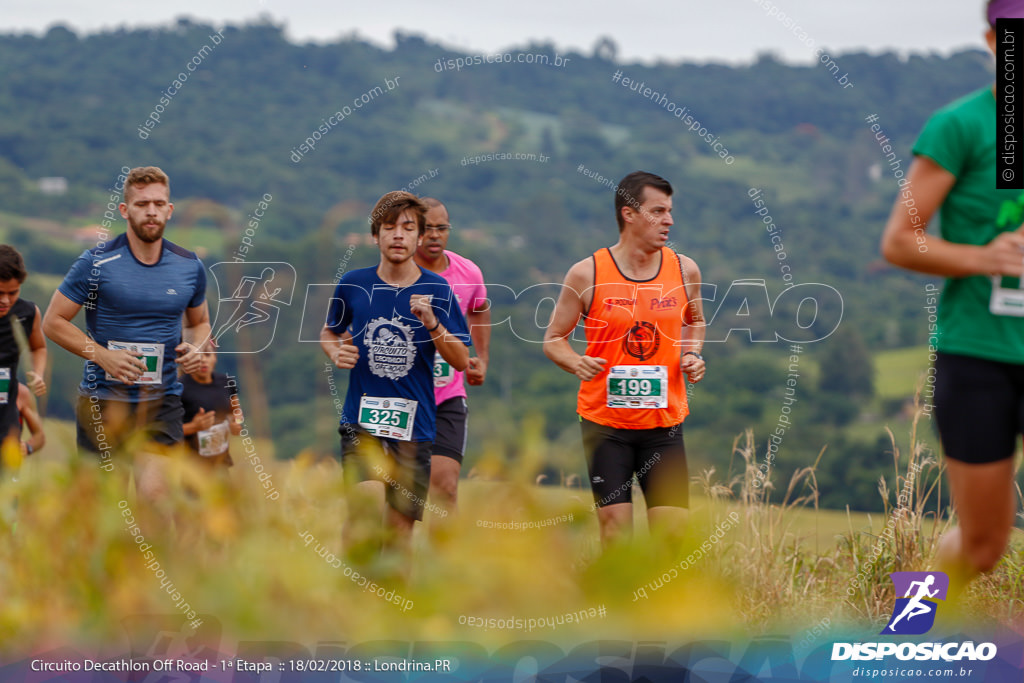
x: 147, y: 233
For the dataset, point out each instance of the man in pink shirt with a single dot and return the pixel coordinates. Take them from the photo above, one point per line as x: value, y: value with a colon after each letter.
x: 449, y: 390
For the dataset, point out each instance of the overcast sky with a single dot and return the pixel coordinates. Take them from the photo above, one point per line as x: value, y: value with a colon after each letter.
x: 731, y: 31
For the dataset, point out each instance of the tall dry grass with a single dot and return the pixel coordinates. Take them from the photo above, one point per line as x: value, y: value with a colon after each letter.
x: 261, y: 570
x: 790, y: 578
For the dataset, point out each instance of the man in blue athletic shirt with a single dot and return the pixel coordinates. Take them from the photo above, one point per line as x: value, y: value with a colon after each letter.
x: 384, y: 324
x: 135, y: 290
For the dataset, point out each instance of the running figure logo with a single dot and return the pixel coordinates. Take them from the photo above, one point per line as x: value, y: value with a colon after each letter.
x: 914, y: 613
x: 250, y: 295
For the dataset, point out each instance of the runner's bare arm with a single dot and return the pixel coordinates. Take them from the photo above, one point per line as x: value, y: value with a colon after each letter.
x: 37, y: 346
x: 195, y: 333
x: 237, y: 418
x: 694, y: 327
x: 480, y: 330
x: 568, y: 311
x: 200, y: 421
x: 57, y: 325
x: 905, y: 242
x: 37, y: 438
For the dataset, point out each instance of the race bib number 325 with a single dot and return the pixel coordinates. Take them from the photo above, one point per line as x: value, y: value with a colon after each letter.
x: 388, y: 418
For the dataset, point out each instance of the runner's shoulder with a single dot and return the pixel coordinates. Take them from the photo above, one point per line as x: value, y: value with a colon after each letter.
x: 359, y: 276
x: 429, y: 277
x: 179, y: 250
x: 24, y: 308
x: 464, y: 263
x: 689, y: 266
x: 107, y: 248
x: 581, y: 275
x: 110, y: 250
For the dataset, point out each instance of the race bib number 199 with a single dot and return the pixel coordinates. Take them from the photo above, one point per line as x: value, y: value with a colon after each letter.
x: 638, y: 386
x: 388, y: 418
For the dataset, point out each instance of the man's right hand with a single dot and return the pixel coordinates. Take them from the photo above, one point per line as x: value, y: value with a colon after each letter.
x: 121, y: 364
x: 345, y: 356
x: 1004, y: 255
x: 36, y: 383
x: 588, y: 368
x: 204, y: 420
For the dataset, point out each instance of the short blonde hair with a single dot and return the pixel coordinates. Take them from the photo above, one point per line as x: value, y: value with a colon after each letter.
x: 146, y: 175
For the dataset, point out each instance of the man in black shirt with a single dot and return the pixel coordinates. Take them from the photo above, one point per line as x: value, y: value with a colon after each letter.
x: 12, y: 276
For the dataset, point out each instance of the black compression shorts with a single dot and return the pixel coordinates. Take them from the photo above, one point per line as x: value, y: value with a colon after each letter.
x: 657, y: 457
x: 979, y: 407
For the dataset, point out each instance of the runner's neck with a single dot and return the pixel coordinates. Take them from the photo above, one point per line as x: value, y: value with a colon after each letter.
x: 145, y: 252
x: 400, y: 275
x: 636, y: 263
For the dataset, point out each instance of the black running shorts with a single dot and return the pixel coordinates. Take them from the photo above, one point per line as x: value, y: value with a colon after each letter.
x: 451, y: 429
x: 402, y: 466
x: 979, y: 407
x: 656, y: 456
x: 106, y: 425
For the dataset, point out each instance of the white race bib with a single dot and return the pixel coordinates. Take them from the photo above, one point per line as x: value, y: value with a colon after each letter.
x: 153, y: 354
x: 5, y: 386
x: 1006, y: 300
x: 214, y: 441
x: 388, y: 418
x: 443, y: 371
x: 638, y: 386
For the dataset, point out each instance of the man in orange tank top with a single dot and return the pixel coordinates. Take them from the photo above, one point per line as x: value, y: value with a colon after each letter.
x: 641, y: 309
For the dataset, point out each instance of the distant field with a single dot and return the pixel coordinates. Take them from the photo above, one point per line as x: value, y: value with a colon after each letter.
x: 899, y: 371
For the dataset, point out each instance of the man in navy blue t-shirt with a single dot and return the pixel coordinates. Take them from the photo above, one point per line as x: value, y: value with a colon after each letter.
x: 385, y: 324
x: 135, y: 290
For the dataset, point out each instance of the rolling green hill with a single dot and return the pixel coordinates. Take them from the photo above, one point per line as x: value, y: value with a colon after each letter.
x: 231, y: 133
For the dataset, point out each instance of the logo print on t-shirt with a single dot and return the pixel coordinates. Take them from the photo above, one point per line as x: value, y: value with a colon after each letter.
x: 642, y: 341
x: 389, y: 347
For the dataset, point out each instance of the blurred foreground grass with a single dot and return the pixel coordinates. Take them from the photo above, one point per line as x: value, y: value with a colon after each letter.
x: 72, y: 574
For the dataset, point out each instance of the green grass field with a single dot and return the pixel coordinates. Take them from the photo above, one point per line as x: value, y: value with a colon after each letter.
x: 898, y: 372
